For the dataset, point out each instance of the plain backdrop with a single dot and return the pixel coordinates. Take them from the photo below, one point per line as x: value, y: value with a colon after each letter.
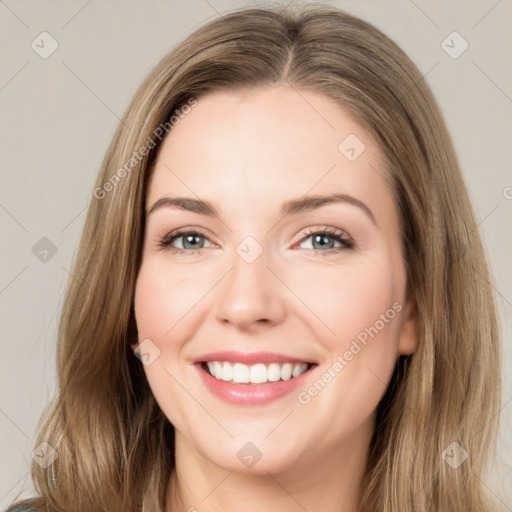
x: 60, y: 112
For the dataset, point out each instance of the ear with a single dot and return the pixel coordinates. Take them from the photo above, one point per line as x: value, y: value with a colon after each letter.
x: 408, y: 342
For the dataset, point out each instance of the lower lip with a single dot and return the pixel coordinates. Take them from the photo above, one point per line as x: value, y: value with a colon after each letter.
x: 251, y: 394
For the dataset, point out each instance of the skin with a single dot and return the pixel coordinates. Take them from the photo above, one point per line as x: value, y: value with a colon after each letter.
x: 235, y: 149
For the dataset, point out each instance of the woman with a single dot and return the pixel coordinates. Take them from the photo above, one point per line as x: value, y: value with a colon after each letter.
x: 333, y: 342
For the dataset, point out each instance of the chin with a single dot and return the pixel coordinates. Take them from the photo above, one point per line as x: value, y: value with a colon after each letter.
x: 257, y: 457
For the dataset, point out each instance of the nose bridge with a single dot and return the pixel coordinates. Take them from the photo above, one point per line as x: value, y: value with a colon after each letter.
x: 249, y: 275
x: 250, y: 293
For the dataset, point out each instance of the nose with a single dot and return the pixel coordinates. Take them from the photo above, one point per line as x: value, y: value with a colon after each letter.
x: 250, y: 295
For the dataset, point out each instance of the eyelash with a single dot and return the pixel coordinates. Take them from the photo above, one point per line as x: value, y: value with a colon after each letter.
x: 339, y: 236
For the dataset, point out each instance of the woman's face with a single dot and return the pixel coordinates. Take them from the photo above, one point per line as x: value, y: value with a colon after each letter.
x: 256, y: 285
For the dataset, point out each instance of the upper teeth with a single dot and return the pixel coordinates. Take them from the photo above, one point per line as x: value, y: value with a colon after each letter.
x: 241, y: 373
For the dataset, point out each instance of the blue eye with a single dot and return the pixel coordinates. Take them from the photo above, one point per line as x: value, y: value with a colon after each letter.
x: 320, y: 238
x: 323, y: 240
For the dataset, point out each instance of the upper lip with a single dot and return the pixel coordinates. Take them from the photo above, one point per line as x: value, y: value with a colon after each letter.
x: 250, y: 358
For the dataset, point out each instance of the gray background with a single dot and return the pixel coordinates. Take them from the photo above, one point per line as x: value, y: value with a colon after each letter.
x: 59, y: 114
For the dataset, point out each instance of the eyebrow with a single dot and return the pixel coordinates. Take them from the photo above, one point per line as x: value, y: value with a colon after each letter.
x: 290, y: 207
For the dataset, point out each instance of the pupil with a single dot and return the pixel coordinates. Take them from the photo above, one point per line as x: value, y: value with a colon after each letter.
x: 322, y: 237
x: 188, y: 238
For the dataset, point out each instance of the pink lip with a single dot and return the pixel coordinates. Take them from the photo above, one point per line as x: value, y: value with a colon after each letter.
x: 250, y: 394
x: 253, y: 358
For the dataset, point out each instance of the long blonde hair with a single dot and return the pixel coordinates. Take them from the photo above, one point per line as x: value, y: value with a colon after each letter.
x: 115, y: 446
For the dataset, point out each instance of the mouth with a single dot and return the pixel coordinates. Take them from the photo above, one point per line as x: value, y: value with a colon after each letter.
x: 252, y: 379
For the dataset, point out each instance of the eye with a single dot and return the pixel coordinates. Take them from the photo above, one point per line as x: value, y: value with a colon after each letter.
x: 190, y: 240
x: 323, y: 240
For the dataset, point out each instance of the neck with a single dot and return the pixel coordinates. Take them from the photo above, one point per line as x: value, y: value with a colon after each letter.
x: 329, y: 481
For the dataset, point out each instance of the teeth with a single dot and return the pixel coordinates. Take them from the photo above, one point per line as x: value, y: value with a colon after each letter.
x: 286, y: 371
x: 258, y: 374
x: 240, y: 373
x: 227, y: 372
x: 217, y: 368
x: 273, y: 372
x: 297, y: 370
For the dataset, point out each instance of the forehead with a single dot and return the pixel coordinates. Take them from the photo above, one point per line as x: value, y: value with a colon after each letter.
x: 274, y: 143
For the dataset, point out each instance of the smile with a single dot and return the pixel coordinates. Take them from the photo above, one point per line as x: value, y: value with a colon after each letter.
x: 239, y: 373
x: 252, y: 379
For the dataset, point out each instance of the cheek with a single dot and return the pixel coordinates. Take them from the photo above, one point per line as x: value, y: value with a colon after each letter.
x: 349, y: 299
x: 162, y: 299
x: 160, y: 307
x: 360, y: 307
x: 151, y: 298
